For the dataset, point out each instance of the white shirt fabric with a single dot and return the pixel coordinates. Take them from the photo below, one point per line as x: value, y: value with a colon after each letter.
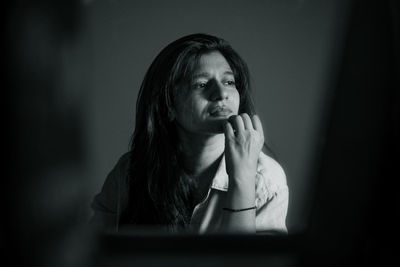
x: 271, y: 202
x: 272, y: 196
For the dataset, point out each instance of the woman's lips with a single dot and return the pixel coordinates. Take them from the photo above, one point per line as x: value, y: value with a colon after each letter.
x: 220, y: 111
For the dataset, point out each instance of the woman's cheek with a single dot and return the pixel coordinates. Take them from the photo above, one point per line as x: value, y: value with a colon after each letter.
x: 236, y: 98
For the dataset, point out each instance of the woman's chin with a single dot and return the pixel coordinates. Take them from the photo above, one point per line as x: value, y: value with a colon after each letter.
x: 217, y: 126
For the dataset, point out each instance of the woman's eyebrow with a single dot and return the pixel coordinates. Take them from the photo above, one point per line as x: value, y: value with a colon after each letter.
x: 206, y: 74
x: 201, y: 75
x: 229, y: 72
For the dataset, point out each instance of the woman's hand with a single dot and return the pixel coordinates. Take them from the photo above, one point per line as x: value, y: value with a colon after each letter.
x: 244, y: 139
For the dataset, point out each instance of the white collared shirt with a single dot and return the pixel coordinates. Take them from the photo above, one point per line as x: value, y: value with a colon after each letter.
x: 271, y: 202
x: 271, y: 198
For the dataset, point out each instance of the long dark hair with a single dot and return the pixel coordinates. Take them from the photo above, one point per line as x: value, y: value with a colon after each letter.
x: 158, y: 192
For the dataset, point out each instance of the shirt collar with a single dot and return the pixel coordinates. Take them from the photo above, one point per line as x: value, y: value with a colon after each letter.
x: 221, y: 180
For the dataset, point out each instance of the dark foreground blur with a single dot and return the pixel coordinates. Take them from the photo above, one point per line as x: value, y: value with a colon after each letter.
x: 355, y: 209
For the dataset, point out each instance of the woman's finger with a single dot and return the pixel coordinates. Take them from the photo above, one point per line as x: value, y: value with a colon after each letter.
x: 257, y: 124
x: 248, y: 125
x: 237, y: 123
x: 228, y: 130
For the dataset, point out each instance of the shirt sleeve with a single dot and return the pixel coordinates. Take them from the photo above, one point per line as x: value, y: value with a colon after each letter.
x: 107, y: 204
x: 272, y: 198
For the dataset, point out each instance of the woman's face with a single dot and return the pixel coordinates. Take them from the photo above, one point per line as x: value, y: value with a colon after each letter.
x: 203, y: 104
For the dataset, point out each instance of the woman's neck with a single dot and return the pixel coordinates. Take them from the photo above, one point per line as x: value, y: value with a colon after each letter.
x: 200, y: 152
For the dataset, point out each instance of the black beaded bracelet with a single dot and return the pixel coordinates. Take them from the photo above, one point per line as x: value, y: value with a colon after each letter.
x: 234, y: 210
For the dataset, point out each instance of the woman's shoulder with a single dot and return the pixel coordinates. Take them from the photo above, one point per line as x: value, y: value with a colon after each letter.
x: 107, y: 199
x: 123, y: 161
x: 271, y: 170
x: 270, y: 180
x: 120, y: 170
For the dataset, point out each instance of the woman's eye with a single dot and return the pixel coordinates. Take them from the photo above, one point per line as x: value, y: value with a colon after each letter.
x: 230, y: 83
x: 200, y: 85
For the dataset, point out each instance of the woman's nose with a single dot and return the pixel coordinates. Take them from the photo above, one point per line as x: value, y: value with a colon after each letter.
x: 218, y: 91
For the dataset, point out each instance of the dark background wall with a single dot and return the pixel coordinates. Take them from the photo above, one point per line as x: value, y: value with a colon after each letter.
x: 289, y: 47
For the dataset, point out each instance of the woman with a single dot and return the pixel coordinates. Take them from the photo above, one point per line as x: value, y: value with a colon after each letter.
x: 194, y: 134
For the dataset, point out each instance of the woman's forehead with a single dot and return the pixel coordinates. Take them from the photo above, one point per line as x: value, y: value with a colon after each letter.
x: 207, y: 63
x: 213, y: 59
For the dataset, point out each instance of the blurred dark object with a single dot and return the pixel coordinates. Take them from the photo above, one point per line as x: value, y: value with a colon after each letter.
x: 44, y: 182
x: 355, y: 220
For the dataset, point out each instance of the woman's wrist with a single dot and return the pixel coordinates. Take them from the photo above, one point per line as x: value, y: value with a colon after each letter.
x: 239, y: 210
x: 240, y: 195
x: 243, y: 179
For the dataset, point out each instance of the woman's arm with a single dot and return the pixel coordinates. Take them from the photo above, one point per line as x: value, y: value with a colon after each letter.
x: 239, y: 197
x: 244, y: 139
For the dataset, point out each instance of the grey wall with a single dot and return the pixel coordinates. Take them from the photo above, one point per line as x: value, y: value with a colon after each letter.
x: 289, y: 47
